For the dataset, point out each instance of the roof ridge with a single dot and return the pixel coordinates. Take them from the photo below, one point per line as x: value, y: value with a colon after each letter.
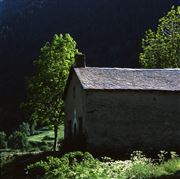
x: 133, y: 69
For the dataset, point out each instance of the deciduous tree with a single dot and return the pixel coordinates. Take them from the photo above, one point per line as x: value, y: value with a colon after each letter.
x: 45, y: 88
x: 161, y: 49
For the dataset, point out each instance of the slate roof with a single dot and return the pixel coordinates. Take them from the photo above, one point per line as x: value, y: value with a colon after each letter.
x: 129, y: 79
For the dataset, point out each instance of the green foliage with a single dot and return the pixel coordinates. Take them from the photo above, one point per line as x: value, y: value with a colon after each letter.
x: 3, y: 142
x: 72, y: 165
x: 162, y: 156
x: 18, y: 140
x: 171, y: 166
x: 33, y: 127
x: 46, y: 87
x: 43, y: 138
x: 84, y: 166
x: 25, y: 128
x: 40, y: 135
x: 161, y: 49
x: 47, y: 137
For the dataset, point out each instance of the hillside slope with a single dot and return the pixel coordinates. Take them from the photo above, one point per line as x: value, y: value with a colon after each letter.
x: 108, y: 32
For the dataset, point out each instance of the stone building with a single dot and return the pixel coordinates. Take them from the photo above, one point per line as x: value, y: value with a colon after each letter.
x: 117, y: 109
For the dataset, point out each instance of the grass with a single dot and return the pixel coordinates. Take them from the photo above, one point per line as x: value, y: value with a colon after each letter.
x: 44, y: 138
x: 79, y: 165
x: 39, y: 137
x: 46, y: 132
x: 41, y: 141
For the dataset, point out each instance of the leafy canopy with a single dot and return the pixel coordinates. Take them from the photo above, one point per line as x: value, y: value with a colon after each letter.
x: 161, y: 49
x: 45, y: 88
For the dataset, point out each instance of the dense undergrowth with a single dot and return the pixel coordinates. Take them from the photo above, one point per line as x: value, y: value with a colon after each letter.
x: 78, y: 165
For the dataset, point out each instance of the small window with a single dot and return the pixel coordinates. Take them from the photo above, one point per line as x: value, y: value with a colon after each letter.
x: 74, y: 92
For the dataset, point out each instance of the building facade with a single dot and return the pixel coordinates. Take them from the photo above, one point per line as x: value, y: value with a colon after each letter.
x: 116, y: 109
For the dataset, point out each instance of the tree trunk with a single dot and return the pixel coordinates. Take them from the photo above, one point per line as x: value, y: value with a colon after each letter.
x: 55, y: 137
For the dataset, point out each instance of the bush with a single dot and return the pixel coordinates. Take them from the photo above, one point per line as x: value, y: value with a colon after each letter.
x: 25, y: 128
x: 18, y: 140
x: 83, y: 166
x: 33, y: 127
x: 69, y: 166
x: 3, y: 142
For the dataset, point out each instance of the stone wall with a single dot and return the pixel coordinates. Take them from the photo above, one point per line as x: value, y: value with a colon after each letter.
x: 74, y: 107
x: 132, y: 120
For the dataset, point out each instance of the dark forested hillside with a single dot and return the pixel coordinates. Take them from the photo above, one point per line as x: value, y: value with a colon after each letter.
x: 108, y: 32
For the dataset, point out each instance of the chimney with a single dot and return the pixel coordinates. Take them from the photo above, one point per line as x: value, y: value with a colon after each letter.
x: 80, y: 61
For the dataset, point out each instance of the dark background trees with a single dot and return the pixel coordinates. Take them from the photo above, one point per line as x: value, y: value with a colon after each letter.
x: 108, y: 32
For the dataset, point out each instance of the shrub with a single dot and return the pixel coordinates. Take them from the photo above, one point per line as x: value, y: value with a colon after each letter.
x: 3, y: 142
x: 171, y: 166
x: 72, y: 165
x: 162, y: 156
x: 84, y: 166
x: 33, y: 127
x: 18, y: 140
x: 25, y: 128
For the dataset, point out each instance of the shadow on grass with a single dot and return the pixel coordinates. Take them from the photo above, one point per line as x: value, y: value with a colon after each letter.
x: 16, y: 168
